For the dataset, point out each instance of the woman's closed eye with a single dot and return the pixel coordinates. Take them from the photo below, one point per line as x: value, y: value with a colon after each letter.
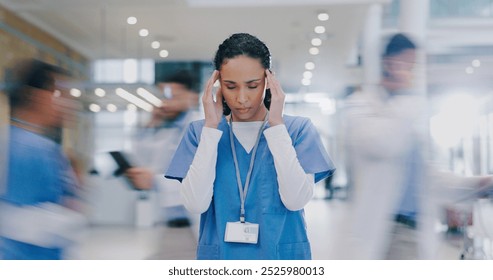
x: 233, y: 87
x: 252, y: 85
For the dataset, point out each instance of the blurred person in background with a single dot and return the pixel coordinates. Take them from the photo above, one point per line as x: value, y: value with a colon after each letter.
x: 247, y: 168
x: 157, y: 141
x: 396, y: 194
x: 36, y: 219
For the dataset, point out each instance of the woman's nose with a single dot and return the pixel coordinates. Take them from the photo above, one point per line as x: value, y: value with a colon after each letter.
x: 242, y: 96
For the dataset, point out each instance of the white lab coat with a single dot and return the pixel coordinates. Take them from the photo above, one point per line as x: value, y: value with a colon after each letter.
x: 381, y: 132
x: 154, y: 149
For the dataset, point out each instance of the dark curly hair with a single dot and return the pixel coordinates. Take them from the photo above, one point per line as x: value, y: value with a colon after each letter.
x: 248, y: 45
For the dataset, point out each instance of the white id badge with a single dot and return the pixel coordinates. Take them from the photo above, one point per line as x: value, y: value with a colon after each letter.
x: 241, y: 232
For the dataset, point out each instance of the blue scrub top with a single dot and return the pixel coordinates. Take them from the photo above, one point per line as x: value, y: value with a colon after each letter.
x: 282, y: 233
x: 38, y: 172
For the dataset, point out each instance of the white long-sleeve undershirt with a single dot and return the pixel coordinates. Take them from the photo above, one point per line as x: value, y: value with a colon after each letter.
x: 295, y: 186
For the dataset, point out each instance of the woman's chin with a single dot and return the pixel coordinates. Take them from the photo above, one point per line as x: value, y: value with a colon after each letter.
x: 243, y: 115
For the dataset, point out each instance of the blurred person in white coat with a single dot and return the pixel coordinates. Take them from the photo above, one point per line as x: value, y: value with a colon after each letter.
x: 157, y: 141
x: 395, y: 195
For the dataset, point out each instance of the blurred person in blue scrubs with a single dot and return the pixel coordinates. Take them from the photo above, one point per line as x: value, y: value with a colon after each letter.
x: 247, y: 168
x: 396, y: 194
x: 156, y: 143
x: 36, y: 221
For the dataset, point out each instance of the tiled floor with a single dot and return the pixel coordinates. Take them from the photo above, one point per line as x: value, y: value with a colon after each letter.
x: 159, y: 242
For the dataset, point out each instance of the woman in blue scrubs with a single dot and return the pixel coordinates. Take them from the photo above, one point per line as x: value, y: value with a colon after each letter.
x: 247, y: 168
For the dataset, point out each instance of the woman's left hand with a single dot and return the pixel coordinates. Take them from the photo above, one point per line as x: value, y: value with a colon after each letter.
x: 277, y: 100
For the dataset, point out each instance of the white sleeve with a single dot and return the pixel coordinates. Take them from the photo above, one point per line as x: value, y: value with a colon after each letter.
x: 168, y: 191
x: 197, y: 186
x: 449, y: 187
x: 295, y: 186
x: 46, y: 225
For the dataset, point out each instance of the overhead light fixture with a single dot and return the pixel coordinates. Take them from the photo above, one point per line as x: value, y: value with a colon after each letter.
x: 323, y: 16
x: 309, y: 65
x: 307, y: 75
x: 313, y: 51
x: 133, y: 99
x: 163, y: 53
x: 131, y: 107
x: 476, y: 63
x: 319, y: 29
x: 306, y: 82
x: 469, y: 70
x: 149, y: 97
x: 94, y: 108
x: 143, y: 32
x: 111, y: 108
x: 131, y: 20
x: 99, y: 92
x: 316, y: 42
x: 155, y: 45
x: 75, y: 92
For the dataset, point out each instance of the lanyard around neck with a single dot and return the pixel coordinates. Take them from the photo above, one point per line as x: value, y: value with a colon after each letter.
x: 243, y: 191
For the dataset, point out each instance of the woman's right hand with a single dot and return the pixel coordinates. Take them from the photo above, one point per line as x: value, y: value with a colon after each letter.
x: 213, y: 110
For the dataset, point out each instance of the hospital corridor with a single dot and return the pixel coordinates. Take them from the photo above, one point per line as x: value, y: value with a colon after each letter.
x: 246, y: 130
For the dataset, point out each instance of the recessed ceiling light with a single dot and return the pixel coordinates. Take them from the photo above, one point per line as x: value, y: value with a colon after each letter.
x: 314, y: 51
x: 307, y: 75
x: 131, y: 20
x: 163, y: 53
x: 75, y: 92
x: 319, y: 29
x: 100, y: 92
x: 155, y: 45
x: 143, y: 32
x: 323, y: 16
x: 316, y: 42
x: 94, y: 108
x: 111, y: 108
x: 309, y: 65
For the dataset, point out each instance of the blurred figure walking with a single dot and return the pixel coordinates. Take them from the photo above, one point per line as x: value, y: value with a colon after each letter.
x: 36, y: 221
x: 157, y: 141
x: 395, y: 195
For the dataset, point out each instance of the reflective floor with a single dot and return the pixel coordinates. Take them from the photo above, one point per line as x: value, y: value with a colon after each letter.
x: 163, y: 243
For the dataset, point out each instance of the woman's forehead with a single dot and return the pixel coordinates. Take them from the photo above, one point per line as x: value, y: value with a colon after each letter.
x: 242, y: 68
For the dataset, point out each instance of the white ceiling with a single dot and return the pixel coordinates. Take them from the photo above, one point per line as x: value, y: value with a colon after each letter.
x: 192, y: 30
